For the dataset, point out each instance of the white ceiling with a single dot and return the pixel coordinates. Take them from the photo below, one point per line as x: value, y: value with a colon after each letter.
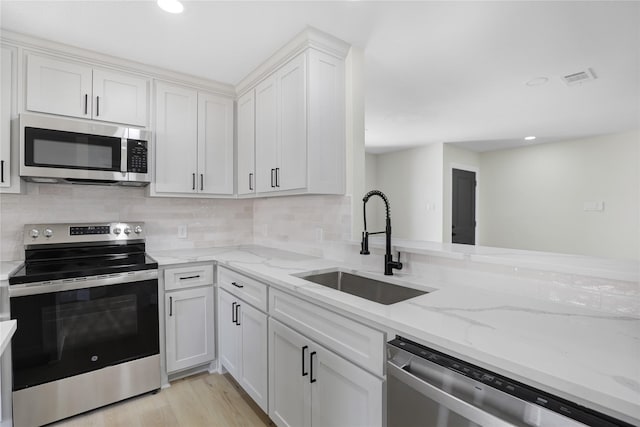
x: 435, y: 71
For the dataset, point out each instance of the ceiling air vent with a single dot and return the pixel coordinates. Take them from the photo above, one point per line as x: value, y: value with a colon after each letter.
x: 580, y: 77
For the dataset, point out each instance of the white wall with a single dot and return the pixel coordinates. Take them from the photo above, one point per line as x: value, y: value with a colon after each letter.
x: 456, y: 158
x: 412, y: 180
x: 533, y: 197
x: 375, y: 207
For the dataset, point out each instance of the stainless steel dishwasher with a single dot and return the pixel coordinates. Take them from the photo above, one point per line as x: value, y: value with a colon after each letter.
x: 427, y: 388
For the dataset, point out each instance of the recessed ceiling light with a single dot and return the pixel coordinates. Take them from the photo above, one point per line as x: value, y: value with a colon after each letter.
x: 171, y: 6
x: 529, y: 138
x: 538, y: 81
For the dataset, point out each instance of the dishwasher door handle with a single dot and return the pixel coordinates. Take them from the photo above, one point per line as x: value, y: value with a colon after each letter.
x: 453, y: 403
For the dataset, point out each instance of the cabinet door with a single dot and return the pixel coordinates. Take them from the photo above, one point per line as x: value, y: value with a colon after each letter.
x: 228, y: 333
x: 266, y: 134
x: 215, y: 144
x: 58, y: 87
x: 176, y: 139
x: 292, y: 99
x: 254, y: 373
x: 343, y: 394
x: 190, y: 328
x: 246, y: 144
x: 120, y: 98
x: 6, y: 114
x: 289, y: 391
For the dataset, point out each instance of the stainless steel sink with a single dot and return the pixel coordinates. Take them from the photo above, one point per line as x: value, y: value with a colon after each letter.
x: 364, y: 287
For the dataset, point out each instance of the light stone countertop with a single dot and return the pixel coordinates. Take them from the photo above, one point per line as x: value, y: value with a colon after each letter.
x: 8, y: 267
x: 7, y: 329
x: 607, y: 268
x: 588, y: 357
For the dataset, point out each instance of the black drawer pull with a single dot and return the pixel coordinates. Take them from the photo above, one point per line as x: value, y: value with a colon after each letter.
x: 190, y: 277
x: 237, y: 314
x: 1, y: 170
x: 170, y: 306
x: 236, y: 285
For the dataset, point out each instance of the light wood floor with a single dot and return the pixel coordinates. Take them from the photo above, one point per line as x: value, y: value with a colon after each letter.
x: 201, y: 400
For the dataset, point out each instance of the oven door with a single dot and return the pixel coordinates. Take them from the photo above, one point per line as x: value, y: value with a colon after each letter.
x: 68, y: 332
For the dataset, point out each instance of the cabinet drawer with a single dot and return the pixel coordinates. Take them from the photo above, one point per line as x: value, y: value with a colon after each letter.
x: 251, y: 291
x: 188, y: 276
x: 352, y: 340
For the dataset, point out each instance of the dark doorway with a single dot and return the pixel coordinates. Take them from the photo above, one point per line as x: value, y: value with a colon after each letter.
x: 463, y: 218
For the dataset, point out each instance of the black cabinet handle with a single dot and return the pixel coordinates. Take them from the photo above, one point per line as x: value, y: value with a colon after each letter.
x: 233, y: 312
x: 311, y: 379
x: 250, y: 182
x: 170, y: 306
x: 1, y: 170
x: 277, y: 177
x: 304, y: 374
x: 86, y: 103
x: 193, y: 181
x: 97, y: 106
x: 201, y: 181
x: 236, y: 285
x: 190, y: 277
x: 237, y: 315
x: 272, y: 185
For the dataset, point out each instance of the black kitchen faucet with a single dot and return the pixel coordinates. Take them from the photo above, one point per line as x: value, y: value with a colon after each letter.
x: 389, y: 263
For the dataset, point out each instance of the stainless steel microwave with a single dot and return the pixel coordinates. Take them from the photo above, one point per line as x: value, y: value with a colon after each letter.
x: 63, y: 150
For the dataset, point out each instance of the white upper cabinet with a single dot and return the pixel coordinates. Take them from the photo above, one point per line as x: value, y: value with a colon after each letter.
x: 73, y: 89
x: 246, y: 144
x: 215, y: 144
x: 120, y: 98
x: 9, y: 152
x: 176, y: 146
x: 194, y: 142
x: 292, y: 147
x: 299, y: 127
x: 266, y: 120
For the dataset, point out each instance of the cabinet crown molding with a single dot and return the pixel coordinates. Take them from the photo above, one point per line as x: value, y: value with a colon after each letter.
x: 72, y: 53
x: 309, y: 38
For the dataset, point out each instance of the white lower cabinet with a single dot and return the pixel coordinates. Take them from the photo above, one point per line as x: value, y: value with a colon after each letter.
x: 243, y: 345
x: 310, y: 385
x: 189, y: 316
x: 190, y: 328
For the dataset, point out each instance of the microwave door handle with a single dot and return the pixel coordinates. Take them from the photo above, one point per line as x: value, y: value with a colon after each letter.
x: 453, y: 403
x: 123, y: 156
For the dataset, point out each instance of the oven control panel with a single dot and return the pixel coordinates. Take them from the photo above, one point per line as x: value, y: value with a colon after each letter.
x: 89, y: 229
x: 42, y: 234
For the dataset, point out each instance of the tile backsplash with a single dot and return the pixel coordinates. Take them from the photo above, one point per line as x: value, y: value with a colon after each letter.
x: 210, y: 222
x: 297, y: 223
x: 306, y: 224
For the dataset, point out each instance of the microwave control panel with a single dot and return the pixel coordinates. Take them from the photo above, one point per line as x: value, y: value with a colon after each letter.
x: 136, y: 156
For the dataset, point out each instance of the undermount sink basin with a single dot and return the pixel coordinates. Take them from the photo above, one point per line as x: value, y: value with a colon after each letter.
x: 371, y: 289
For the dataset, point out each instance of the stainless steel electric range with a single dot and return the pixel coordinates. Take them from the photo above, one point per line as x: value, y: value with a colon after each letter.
x: 86, y: 302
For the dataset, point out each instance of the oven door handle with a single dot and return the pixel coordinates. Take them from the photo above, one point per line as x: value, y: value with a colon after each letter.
x: 453, y: 403
x: 80, y: 283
